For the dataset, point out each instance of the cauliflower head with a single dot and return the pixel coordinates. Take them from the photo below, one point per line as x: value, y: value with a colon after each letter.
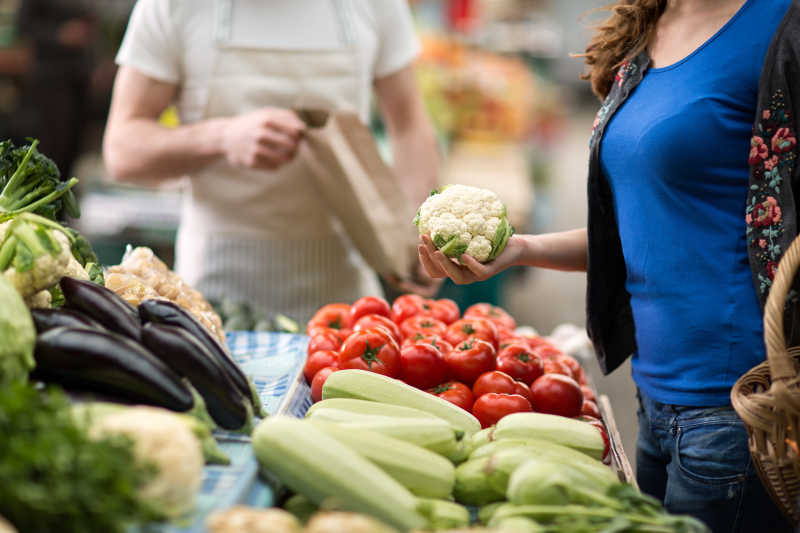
x: 465, y: 220
x: 160, y: 438
x: 34, y: 253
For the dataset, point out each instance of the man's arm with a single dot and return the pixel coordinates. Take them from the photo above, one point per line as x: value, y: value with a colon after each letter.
x: 137, y: 148
x: 414, y: 145
x: 415, y: 152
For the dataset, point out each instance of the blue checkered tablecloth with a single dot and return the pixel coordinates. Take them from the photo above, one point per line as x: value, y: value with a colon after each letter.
x: 274, y: 361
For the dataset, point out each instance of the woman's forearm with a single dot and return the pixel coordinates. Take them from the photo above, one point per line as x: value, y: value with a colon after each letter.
x: 565, y: 250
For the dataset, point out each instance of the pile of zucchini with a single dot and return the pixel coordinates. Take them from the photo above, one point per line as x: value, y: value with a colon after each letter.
x: 156, y: 354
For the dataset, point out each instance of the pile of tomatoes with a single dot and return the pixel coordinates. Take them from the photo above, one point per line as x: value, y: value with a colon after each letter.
x: 475, y: 361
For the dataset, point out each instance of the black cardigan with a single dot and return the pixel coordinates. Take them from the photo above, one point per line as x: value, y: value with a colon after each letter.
x: 772, y: 196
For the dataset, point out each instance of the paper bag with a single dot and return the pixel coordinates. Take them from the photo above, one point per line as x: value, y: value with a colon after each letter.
x: 361, y: 190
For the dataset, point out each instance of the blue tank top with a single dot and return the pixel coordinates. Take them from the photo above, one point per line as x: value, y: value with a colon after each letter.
x: 676, y: 157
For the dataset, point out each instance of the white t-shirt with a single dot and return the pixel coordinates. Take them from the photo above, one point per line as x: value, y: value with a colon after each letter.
x: 174, y: 40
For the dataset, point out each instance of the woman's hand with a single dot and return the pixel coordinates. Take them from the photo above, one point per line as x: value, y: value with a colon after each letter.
x: 470, y: 270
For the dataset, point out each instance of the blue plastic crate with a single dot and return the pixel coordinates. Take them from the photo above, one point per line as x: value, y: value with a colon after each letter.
x: 275, y: 362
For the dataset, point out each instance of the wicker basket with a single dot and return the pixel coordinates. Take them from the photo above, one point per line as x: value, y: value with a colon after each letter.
x: 767, y: 398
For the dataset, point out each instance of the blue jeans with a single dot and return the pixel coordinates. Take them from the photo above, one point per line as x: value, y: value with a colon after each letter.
x: 696, y: 460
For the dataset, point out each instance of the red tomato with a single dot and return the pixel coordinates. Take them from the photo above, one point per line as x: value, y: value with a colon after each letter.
x: 466, y: 328
x: 319, y: 360
x: 536, y: 340
x: 574, y: 366
x: 370, y: 321
x: 445, y: 310
x: 319, y: 381
x: 493, y: 381
x: 505, y: 343
x: 371, y: 349
x: 336, y: 316
x: 504, y: 334
x: 590, y: 408
x: 406, y: 306
x: 493, y: 313
x: 323, y: 339
x: 588, y: 393
x: 341, y: 334
x: 517, y: 361
x: 547, y: 351
x: 470, y: 359
x: 369, y: 305
x: 434, y: 340
x: 426, y: 325
x: 555, y: 366
x: 522, y: 390
x: 556, y: 394
x: 455, y: 393
x: 440, y: 344
x: 491, y: 407
x: 422, y: 366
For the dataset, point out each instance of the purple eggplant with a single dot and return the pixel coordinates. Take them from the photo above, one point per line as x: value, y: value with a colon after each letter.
x: 166, y: 312
x: 45, y: 319
x: 189, y: 358
x: 107, y: 362
x: 103, y: 305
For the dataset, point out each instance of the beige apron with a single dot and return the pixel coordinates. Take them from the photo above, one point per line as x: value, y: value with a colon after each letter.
x: 266, y: 237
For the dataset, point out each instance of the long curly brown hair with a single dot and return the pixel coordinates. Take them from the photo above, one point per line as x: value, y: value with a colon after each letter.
x: 622, y: 36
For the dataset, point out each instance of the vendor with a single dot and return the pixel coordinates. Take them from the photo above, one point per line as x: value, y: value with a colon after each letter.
x: 254, y: 227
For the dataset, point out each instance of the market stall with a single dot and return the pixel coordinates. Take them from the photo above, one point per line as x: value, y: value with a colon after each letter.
x: 406, y: 415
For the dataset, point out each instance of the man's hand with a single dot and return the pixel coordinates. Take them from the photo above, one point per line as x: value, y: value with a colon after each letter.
x: 264, y: 139
x: 420, y: 283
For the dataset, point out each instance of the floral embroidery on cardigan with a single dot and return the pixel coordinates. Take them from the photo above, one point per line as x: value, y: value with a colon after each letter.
x: 623, y: 73
x: 771, y: 159
x: 625, y: 69
x: 599, y: 118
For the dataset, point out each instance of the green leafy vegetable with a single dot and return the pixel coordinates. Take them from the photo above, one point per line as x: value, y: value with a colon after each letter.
x: 55, y: 478
x: 31, y: 182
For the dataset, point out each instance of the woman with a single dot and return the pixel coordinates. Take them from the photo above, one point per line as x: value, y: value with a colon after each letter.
x: 687, y: 209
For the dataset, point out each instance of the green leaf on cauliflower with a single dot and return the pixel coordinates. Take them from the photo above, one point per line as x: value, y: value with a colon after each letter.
x: 440, y: 241
x: 504, y: 231
x: 454, y: 248
x: 23, y: 260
